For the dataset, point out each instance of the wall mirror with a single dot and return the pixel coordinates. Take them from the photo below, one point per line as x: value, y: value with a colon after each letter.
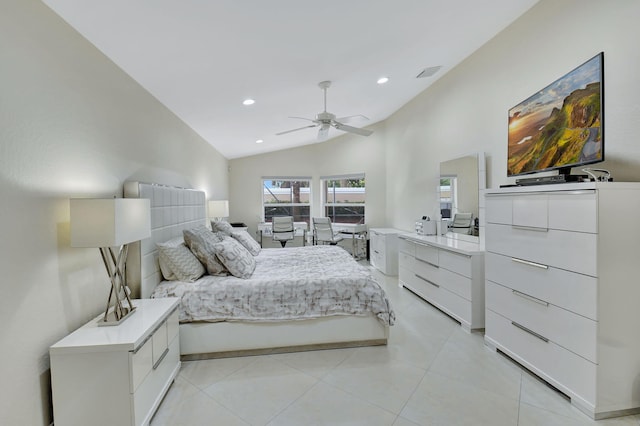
x: 461, y: 180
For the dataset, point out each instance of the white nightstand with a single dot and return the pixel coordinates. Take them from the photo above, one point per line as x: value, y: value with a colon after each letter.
x: 117, y: 375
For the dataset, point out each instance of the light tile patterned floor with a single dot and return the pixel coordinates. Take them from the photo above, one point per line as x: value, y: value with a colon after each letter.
x: 430, y: 373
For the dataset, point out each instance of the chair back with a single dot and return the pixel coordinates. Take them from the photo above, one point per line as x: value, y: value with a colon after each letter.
x: 282, y: 228
x: 322, y: 229
x: 462, y: 223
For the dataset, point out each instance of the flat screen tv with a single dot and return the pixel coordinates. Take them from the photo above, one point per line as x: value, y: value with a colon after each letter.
x: 560, y: 126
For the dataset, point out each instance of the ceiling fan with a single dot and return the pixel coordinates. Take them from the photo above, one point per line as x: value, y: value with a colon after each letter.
x: 325, y: 120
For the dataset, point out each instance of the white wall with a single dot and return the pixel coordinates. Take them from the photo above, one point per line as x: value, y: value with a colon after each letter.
x: 465, y: 111
x: 72, y: 124
x: 346, y: 154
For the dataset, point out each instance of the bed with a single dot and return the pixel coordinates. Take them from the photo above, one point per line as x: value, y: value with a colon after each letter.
x: 362, y: 318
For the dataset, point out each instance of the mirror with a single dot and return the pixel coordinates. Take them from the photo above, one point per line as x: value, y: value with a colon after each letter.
x: 461, y: 180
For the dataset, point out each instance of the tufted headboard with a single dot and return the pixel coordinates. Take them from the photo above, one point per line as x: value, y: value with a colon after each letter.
x: 173, y: 209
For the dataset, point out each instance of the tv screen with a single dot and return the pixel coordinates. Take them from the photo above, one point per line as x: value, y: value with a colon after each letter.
x: 560, y: 126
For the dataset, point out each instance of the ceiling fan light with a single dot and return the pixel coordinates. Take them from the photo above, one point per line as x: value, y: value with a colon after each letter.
x: 248, y: 102
x: 382, y: 80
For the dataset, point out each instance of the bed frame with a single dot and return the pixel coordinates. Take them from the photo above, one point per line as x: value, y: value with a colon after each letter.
x: 175, y: 209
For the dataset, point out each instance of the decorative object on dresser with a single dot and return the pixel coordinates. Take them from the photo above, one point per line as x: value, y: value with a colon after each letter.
x: 561, y: 291
x: 384, y: 250
x: 116, y: 375
x: 447, y: 272
x: 105, y: 224
x: 218, y: 209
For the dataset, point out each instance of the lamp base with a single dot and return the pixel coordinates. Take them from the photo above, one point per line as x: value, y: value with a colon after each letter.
x: 111, y: 319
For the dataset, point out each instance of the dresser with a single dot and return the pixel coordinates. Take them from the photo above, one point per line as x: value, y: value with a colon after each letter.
x: 116, y: 375
x: 447, y: 272
x: 562, y: 293
x: 383, y: 250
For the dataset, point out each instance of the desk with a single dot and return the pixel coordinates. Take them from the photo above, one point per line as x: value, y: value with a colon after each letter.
x: 299, y: 230
x: 358, y: 233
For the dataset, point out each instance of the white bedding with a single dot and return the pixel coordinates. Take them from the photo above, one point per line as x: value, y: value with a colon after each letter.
x: 288, y: 283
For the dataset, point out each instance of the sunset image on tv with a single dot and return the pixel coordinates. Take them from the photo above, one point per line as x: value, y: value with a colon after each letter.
x: 561, y: 125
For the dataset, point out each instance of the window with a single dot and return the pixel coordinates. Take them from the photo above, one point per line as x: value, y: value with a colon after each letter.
x: 343, y: 198
x: 447, y: 196
x: 286, y: 197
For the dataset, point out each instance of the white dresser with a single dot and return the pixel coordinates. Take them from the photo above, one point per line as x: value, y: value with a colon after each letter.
x: 446, y: 272
x: 383, y: 250
x: 117, y: 375
x: 562, y: 291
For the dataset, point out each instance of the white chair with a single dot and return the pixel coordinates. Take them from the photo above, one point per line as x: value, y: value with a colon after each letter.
x: 282, y: 229
x: 462, y: 223
x: 323, y: 232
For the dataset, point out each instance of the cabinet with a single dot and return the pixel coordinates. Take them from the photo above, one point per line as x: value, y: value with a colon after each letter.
x: 561, y: 288
x: 446, y: 272
x: 383, y: 250
x: 117, y: 375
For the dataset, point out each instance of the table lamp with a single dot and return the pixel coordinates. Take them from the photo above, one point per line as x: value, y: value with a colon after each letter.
x: 218, y: 209
x: 110, y: 225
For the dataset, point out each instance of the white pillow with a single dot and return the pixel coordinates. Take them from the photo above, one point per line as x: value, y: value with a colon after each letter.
x: 221, y: 226
x: 247, y: 241
x: 235, y: 257
x: 201, y: 242
x: 177, y: 262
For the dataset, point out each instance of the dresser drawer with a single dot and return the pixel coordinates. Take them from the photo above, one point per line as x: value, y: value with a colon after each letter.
x: 427, y: 253
x: 172, y: 325
x: 450, y: 303
x: 567, y: 371
x: 455, y: 262
x: 573, y: 251
x: 149, y: 393
x: 141, y: 363
x: 571, y: 331
x: 568, y: 290
x: 562, y: 210
x: 405, y: 260
x: 427, y: 271
x: 406, y: 246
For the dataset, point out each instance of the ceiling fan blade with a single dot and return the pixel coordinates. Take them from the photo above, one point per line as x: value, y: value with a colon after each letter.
x: 351, y: 118
x: 295, y: 130
x: 351, y: 129
x: 323, y: 132
x: 304, y: 118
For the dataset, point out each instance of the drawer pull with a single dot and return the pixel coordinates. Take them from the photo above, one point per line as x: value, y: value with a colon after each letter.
x: 530, y: 228
x: 527, y: 262
x: 533, y: 333
x: 426, y: 280
x: 166, y: 351
x: 531, y: 298
x: 428, y: 263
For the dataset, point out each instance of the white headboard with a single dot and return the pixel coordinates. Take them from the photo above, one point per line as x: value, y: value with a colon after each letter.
x: 173, y: 209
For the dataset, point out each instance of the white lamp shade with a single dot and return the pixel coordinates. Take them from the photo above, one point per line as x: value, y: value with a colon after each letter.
x: 109, y: 222
x: 219, y: 208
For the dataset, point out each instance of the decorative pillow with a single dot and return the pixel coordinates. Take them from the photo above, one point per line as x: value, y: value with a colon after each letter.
x: 177, y: 262
x: 235, y: 258
x: 247, y: 241
x: 201, y: 242
x: 221, y: 226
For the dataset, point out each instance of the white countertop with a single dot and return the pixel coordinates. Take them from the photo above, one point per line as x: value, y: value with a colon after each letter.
x: 454, y: 243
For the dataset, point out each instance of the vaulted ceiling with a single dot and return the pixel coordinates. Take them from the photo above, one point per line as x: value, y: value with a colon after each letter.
x: 202, y: 59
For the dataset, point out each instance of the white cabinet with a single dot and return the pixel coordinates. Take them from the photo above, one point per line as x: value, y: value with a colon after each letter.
x: 117, y: 375
x: 446, y: 272
x: 383, y: 250
x: 561, y: 288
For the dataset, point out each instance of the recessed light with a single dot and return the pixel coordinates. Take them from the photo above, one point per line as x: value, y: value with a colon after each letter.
x: 383, y: 80
x: 248, y: 102
x: 259, y: 141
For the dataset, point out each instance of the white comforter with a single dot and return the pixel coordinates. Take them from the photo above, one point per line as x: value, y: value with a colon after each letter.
x: 288, y: 283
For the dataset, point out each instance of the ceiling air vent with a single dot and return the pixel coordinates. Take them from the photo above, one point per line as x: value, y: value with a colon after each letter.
x: 428, y: 72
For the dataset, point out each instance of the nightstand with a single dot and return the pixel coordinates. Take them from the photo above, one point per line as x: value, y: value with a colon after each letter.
x: 117, y: 375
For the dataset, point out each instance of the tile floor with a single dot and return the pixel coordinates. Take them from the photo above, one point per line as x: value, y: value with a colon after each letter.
x: 430, y: 373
